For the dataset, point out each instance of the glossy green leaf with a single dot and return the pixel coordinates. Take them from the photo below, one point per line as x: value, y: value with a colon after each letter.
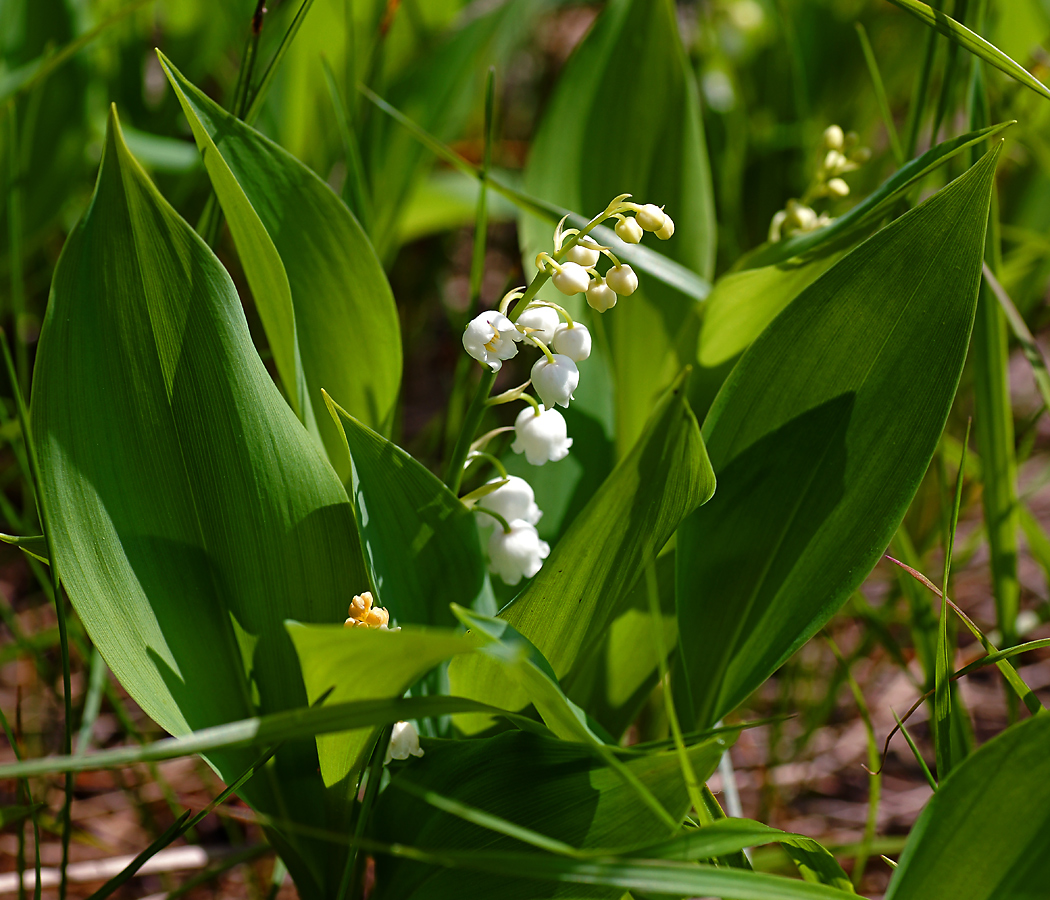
x: 365, y: 664
x: 555, y: 788
x: 625, y: 117
x: 421, y: 543
x: 985, y: 834
x: 566, y: 609
x: 192, y: 514
x: 332, y: 318
x: 976, y: 44
x: 820, y: 438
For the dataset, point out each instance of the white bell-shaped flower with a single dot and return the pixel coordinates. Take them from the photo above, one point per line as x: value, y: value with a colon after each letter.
x: 491, y: 338
x: 628, y: 230
x: 541, y: 318
x: 622, y: 280
x: 667, y: 229
x: 573, y: 342
x: 600, y: 296
x: 512, y: 500
x: 541, y: 436
x: 555, y: 381
x: 585, y: 253
x: 517, y: 553
x: 404, y: 742
x: 651, y: 217
x: 571, y: 278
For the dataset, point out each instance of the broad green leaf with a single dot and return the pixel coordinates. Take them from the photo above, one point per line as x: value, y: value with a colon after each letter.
x: 338, y: 328
x: 625, y: 117
x: 192, y: 514
x: 552, y: 787
x: 976, y: 44
x: 820, y: 438
x: 365, y: 664
x: 566, y: 609
x: 732, y: 835
x: 985, y: 834
x: 421, y: 543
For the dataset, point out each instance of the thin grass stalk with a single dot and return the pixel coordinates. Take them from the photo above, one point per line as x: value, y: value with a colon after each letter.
x: 60, y: 610
x: 14, y: 235
x: 919, y: 93
x: 948, y: 82
x: 27, y: 794
x: 353, y: 876
x: 880, y: 95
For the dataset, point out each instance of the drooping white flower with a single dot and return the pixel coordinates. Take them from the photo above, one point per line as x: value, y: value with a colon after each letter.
x: 491, y: 338
x: 571, y: 278
x: 667, y: 229
x: 651, y: 217
x: 512, y: 500
x: 404, y: 742
x: 573, y: 342
x: 622, y: 280
x: 541, y: 436
x: 541, y: 318
x: 600, y: 296
x: 555, y: 381
x: 517, y: 553
x: 628, y: 230
x: 585, y: 253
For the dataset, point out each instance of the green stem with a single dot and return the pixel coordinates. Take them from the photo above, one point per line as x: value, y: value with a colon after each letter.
x: 352, y: 880
x: 495, y: 515
x: 922, y: 85
x: 481, y: 454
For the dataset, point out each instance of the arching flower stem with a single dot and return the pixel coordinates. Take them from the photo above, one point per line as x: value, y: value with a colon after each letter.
x: 488, y: 512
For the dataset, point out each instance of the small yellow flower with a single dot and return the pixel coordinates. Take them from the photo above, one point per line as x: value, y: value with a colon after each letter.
x: 364, y: 615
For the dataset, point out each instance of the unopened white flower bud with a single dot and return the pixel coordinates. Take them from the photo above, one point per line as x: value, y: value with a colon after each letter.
x: 541, y: 436
x: 628, y: 230
x: 491, y: 338
x: 622, y: 280
x: 776, y: 226
x: 571, y: 278
x: 573, y: 342
x: 513, y: 500
x: 600, y: 296
x: 835, y: 162
x: 542, y: 319
x: 838, y: 188
x: 555, y: 381
x: 651, y: 217
x: 800, y: 216
x: 833, y: 138
x: 404, y: 742
x: 585, y: 253
x: 517, y: 553
x: 666, y: 230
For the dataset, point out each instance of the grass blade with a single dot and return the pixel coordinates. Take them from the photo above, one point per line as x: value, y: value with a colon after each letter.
x: 880, y: 94
x: 1031, y: 349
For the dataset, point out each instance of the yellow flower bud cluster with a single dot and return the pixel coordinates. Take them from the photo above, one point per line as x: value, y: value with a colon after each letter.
x: 840, y: 153
x: 364, y: 615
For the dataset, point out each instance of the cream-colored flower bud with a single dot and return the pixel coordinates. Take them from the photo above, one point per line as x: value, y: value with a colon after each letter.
x: 651, y: 217
x: 835, y: 161
x: 834, y: 139
x: 600, y: 296
x: 666, y: 230
x: 628, y: 230
x: 838, y: 188
x: 585, y: 253
x: 622, y: 280
x: 571, y: 278
x: 572, y: 341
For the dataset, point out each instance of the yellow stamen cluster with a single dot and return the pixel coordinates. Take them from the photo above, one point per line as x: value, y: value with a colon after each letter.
x: 364, y: 615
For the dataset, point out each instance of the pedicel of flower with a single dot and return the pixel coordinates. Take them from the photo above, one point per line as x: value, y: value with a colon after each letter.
x: 541, y: 436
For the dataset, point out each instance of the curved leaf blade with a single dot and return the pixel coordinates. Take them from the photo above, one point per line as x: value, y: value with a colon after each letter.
x: 815, y: 475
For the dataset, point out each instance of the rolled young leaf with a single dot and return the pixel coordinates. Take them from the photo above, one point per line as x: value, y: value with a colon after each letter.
x: 820, y: 438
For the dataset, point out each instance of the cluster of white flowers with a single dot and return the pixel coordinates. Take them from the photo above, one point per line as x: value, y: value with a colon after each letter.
x: 508, y: 512
x: 841, y: 153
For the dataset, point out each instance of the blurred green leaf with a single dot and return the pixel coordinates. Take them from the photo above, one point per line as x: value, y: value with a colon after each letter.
x: 421, y: 543
x: 365, y: 664
x: 625, y: 117
x: 976, y: 44
x: 339, y: 326
x: 552, y: 787
x: 985, y: 834
x: 566, y: 609
x: 820, y: 438
x: 191, y: 512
